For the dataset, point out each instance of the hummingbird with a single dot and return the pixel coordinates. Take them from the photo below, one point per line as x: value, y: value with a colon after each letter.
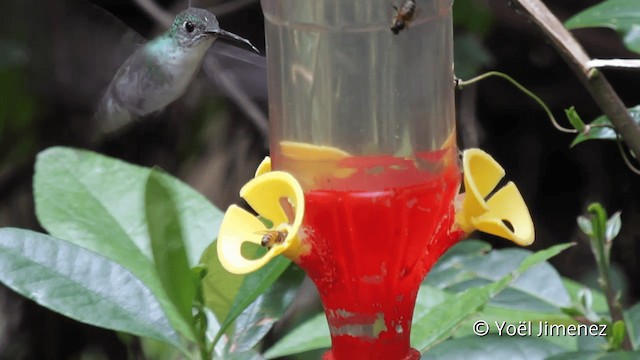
x: 158, y: 72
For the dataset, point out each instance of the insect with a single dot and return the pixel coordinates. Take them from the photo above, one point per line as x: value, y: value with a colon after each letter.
x: 272, y: 237
x: 403, y: 16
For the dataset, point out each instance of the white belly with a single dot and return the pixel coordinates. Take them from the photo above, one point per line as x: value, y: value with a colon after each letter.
x: 180, y: 67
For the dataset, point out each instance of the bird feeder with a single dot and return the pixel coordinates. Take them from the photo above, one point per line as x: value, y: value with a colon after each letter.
x: 362, y: 185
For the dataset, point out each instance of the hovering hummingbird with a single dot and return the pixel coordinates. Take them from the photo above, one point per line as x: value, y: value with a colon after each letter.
x: 159, y: 72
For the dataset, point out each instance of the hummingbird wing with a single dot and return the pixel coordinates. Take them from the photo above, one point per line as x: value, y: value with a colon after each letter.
x: 80, y: 58
x: 247, y: 68
x: 127, y: 96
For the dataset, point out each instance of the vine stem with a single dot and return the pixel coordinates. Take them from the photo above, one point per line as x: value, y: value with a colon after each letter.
x: 593, y: 80
x: 462, y: 83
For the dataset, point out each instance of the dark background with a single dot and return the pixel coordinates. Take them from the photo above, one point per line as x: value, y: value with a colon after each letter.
x: 46, y: 47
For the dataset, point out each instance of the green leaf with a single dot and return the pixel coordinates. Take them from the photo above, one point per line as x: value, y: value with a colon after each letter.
x: 257, y: 319
x: 219, y: 286
x: 584, y: 223
x: 540, y: 289
x: 427, y: 298
x: 616, y: 335
x: 632, y: 318
x: 80, y: 284
x: 613, y: 226
x: 595, y: 355
x: 494, y: 347
x: 575, y: 119
x: 169, y: 253
x: 448, y: 269
x: 253, y: 285
x: 97, y: 202
x: 620, y: 15
x: 440, y: 321
x: 493, y: 314
x: 312, y: 334
x: 600, y: 132
x: 598, y: 219
x: 245, y: 355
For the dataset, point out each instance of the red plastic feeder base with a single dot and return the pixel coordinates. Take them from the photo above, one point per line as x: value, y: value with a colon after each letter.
x: 413, y: 355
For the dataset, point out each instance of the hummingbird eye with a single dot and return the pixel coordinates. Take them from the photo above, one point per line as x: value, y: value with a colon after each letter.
x: 189, y: 26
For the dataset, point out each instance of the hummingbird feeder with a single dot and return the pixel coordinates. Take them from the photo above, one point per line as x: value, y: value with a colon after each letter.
x: 362, y: 186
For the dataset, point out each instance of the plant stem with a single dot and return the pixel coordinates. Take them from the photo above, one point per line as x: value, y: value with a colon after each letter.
x: 462, y: 83
x: 593, y: 80
x: 602, y: 251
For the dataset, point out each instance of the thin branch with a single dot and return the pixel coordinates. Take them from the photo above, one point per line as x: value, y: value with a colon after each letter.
x: 214, y: 70
x: 594, y: 81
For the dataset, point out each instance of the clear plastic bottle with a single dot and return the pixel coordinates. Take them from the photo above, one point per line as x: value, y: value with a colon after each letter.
x: 364, y: 119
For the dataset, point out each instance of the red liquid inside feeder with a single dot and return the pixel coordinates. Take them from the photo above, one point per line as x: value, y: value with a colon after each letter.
x: 374, y: 236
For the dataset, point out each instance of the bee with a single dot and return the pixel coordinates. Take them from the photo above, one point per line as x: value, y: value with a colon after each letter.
x: 403, y: 16
x: 272, y: 237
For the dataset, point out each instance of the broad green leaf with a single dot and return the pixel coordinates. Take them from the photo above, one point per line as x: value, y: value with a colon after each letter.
x: 257, y: 319
x: 448, y: 269
x: 620, y: 15
x: 428, y: 297
x: 440, y: 321
x: 494, y: 347
x: 539, y: 290
x: 493, y: 314
x: 253, y: 285
x: 600, y: 132
x: 595, y: 355
x: 632, y: 319
x: 219, y: 286
x: 169, y: 253
x: 312, y: 334
x: 245, y: 355
x: 97, y: 202
x: 69, y: 183
x: 80, y: 284
x: 591, y: 343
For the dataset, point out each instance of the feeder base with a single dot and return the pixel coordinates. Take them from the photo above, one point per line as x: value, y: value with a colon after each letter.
x: 413, y: 355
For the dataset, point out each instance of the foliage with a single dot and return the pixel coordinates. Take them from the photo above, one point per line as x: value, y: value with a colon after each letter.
x: 132, y: 249
x: 126, y: 253
x: 620, y: 15
x: 601, y: 128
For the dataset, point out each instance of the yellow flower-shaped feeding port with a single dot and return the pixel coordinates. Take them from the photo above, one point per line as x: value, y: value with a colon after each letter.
x: 313, y: 163
x: 493, y: 215
x: 277, y: 197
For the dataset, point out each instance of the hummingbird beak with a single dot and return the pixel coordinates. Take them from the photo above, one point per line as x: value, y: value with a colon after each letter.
x: 233, y: 37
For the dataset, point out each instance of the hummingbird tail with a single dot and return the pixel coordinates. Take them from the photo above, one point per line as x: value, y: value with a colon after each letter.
x: 111, y: 116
